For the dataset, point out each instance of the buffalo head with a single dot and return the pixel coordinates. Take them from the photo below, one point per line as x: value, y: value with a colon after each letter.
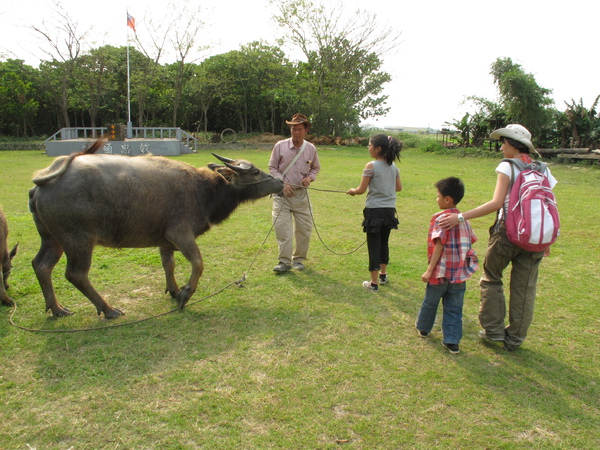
x: 244, y: 174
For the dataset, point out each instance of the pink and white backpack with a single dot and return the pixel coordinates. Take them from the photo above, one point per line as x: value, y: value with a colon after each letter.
x: 532, y: 220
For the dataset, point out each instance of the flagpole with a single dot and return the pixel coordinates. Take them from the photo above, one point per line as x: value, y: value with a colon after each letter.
x: 129, y: 125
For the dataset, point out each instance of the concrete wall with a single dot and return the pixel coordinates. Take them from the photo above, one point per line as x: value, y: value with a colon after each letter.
x: 131, y: 147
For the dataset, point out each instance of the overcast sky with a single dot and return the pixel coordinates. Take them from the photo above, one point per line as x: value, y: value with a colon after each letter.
x: 445, y: 55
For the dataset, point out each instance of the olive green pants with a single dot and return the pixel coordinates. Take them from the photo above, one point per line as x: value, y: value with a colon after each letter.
x: 523, y: 282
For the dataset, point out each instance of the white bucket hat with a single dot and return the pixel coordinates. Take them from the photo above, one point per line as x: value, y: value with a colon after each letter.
x: 517, y: 132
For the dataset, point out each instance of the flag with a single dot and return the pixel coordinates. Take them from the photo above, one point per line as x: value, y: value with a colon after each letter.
x: 131, y: 22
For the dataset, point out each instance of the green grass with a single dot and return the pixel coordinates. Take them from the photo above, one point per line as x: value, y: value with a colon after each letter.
x: 306, y: 359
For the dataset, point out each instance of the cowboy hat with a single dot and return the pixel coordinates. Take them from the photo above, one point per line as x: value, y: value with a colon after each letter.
x: 298, y: 119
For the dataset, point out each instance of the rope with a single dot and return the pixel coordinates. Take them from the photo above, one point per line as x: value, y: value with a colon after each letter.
x: 237, y: 282
x: 315, y: 224
x: 118, y: 325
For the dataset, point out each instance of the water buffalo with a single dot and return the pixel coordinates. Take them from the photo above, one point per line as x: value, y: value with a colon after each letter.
x: 83, y: 200
x: 5, y: 261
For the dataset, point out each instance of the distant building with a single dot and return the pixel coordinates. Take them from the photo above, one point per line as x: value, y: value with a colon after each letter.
x: 413, y: 130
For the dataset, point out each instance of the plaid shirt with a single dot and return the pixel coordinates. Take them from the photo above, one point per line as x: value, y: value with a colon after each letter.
x: 458, y: 260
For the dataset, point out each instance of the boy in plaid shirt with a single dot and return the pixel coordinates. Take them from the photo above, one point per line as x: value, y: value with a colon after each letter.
x: 451, y: 261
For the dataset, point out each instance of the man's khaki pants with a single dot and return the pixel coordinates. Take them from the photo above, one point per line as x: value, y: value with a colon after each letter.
x: 284, y: 208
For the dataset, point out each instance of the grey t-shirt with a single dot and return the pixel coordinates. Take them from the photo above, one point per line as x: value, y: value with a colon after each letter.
x: 382, y: 187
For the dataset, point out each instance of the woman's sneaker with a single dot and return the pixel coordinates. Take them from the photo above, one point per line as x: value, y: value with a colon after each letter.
x: 383, y: 278
x: 370, y: 286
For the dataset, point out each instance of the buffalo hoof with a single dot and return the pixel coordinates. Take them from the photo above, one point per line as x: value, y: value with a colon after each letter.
x: 183, y: 297
x: 61, y: 311
x: 174, y: 293
x: 113, y: 314
x: 8, y: 301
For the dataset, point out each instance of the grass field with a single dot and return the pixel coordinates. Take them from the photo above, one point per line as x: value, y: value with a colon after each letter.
x: 306, y: 359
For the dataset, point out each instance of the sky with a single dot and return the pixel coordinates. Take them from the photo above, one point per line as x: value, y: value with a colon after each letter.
x: 444, y: 56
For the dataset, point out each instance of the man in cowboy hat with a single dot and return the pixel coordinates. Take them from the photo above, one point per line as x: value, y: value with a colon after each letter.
x: 296, y: 163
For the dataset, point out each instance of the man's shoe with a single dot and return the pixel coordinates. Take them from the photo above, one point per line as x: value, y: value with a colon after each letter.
x: 298, y: 265
x: 422, y: 334
x: 370, y: 286
x: 383, y: 278
x: 452, y: 348
x: 282, y: 267
x: 483, y: 335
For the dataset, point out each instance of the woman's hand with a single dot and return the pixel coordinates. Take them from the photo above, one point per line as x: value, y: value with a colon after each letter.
x: 448, y: 221
x: 351, y: 192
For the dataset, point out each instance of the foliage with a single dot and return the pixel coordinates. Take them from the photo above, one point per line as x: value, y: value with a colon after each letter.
x: 308, y: 359
x: 253, y: 89
x: 343, y: 63
x: 18, y: 98
x: 433, y: 147
x: 582, y: 124
x: 523, y: 99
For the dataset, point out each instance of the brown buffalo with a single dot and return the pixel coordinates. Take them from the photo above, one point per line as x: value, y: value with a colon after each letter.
x: 84, y: 200
x: 5, y: 261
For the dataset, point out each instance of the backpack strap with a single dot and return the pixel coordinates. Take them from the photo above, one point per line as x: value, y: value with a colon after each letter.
x: 515, y: 162
x: 512, y: 163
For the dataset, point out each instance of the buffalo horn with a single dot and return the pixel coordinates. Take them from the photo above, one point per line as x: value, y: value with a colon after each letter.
x: 227, y: 161
x: 223, y: 159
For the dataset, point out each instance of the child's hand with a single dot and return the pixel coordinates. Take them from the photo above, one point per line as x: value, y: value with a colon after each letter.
x: 351, y: 192
x: 426, y: 276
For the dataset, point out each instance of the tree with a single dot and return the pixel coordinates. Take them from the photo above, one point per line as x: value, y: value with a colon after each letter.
x: 343, y: 62
x: 17, y: 97
x: 488, y: 117
x: 583, y: 124
x: 96, y: 75
x: 66, y: 44
x: 185, y: 28
x: 524, y: 101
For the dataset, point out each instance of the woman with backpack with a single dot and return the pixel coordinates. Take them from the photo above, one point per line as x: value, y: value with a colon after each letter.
x: 516, y: 145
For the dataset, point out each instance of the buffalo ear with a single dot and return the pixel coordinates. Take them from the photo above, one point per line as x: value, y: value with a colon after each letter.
x: 13, y: 252
x: 226, y: 173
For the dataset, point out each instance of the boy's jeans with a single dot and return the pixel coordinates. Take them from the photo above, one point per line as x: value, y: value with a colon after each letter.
x: 452, y: 296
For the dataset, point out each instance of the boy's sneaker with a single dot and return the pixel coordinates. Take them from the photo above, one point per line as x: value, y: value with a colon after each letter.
x: 298, y: 265
x: 370, y: 286
x: 383, y: 278
x: 422, y: 334
x: 452, y: 348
